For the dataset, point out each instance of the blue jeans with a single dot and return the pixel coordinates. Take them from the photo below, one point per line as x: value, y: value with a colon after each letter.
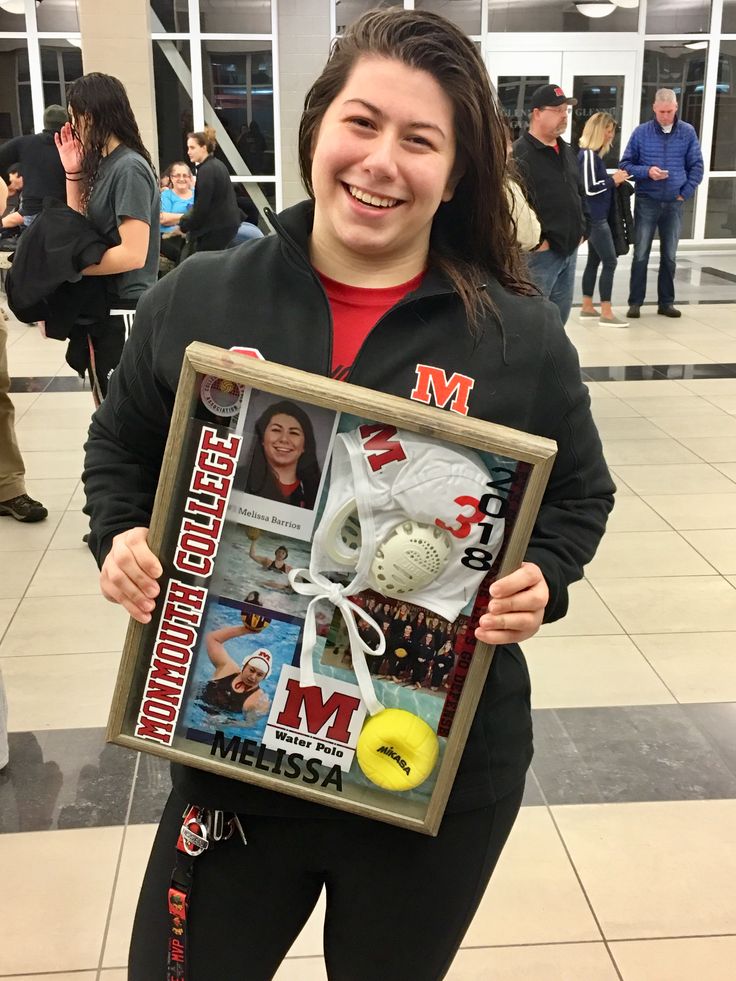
x: 651, y: 216
x: 245, y: 233
x: 554, y: 274
x: 600, y: 250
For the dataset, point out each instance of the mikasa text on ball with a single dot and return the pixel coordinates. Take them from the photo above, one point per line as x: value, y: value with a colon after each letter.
x: 397, y: 750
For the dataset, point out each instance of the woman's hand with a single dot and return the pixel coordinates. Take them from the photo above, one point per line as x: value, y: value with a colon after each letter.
x: 70, y: 149
x: 516, y: 608
x: 129, y: 574
x: 619, y: 176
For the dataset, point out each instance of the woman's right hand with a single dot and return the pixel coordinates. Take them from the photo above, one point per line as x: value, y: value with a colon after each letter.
x: 70, y: 149
x: 619, y: 176
x: 129, y: 574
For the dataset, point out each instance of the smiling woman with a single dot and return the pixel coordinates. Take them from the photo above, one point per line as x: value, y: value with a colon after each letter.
x: 403, y: 265
x: 284, y: 466
x: 380, y: 170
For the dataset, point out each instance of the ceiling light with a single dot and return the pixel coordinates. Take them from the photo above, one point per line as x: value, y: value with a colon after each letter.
x: 13, y: 6
x: 696, y: 45
x: 76, y: 41
x: 626, y: 4
x: 595, y: 9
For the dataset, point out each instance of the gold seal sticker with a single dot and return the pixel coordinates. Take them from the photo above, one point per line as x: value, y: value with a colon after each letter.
x: 222, y: 397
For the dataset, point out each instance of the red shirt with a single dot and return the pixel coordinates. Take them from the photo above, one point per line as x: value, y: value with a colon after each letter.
x: 355, y: 311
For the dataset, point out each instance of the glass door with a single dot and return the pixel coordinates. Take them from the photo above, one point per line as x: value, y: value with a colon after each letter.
x: 514, y: 89
x: 601, y: 81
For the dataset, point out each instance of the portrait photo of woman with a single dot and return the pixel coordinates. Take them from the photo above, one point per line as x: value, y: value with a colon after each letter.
x: 285, y: 465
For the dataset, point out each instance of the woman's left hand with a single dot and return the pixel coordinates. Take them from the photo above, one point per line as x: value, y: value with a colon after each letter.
x: 516, y: 608
x: 70, y: 149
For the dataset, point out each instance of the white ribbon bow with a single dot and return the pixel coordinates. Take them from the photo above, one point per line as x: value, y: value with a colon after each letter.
x: 320, y: 587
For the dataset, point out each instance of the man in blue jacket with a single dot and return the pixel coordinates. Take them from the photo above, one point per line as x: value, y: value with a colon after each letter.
x: 663, y: 156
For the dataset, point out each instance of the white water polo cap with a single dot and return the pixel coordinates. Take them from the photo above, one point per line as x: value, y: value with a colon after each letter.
x: 403, y: 517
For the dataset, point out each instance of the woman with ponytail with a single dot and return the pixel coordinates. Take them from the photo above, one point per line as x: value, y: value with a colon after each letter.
x: 214, y: 218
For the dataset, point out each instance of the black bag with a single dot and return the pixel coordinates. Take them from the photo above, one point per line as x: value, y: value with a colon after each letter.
x: 620, y: 218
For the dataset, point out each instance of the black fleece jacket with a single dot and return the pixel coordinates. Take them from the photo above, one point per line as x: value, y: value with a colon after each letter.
x: 553, y: 186
x: 45, y: 281
x: 214, y: 205
x: 527, y: 376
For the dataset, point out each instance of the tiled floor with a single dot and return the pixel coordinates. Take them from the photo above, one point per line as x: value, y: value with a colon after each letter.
x: 623, y: 861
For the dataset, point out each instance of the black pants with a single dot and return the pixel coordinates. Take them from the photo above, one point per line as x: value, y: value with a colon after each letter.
x: 96, y: 346
x: 105, y: 348
x: 398, y: 903
x: 172, y: 247
x: 214, y: 241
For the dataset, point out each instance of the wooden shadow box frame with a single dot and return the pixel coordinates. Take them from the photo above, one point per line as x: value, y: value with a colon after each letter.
x: 208, y: 527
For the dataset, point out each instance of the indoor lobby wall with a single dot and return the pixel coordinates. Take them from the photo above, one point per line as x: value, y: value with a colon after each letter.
x: 120, y: 45
x: 304, y: 42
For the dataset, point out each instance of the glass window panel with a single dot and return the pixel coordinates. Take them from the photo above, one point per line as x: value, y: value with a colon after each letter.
x: 235, y: 16
x: 11, y: 22
x: 515, y: 95
x: 348, y: 11
x: 723, y: 156
x: 720, y: 215
x: 677, y: 16
x: 51, y: 94
x: 71, y: 58
x: 173, y: 101
x: 61, y: 63
x: 671, y: 65
x: 465, y: 13
x: 688, y: 217
x: 729, y: 17
x: 238, y: 84
x: 253, y: 197
x: 57, y: 15
x: 598, y: 93
x: 172, y: 16
x: 555, y: 15
x: 16, y: 112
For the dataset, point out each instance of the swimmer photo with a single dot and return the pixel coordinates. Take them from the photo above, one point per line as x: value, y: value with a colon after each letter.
x: 253, y: 566
x: 286, y: 447
x: 276, y: 564
x: 236, y: 688
x: 236, y: 668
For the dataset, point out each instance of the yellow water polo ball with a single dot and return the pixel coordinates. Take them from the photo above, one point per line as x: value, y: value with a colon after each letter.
x: 254, y: 622
x: 397, y: 750
x: 400, y: 652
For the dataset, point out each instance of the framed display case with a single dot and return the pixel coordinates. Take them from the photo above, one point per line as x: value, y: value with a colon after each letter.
x: 327, y: 553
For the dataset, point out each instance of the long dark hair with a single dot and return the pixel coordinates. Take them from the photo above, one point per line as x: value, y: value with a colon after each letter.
x: 102, y: 99
x: 261, y: 479
x: 473, y: 234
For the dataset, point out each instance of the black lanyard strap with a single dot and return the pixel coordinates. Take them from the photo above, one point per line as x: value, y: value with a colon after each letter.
x: 200, y: 829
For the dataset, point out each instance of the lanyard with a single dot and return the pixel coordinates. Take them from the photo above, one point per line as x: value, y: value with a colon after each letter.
x: 200, y: 828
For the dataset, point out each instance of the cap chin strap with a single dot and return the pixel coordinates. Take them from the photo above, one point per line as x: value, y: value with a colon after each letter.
x: 320, y: 587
